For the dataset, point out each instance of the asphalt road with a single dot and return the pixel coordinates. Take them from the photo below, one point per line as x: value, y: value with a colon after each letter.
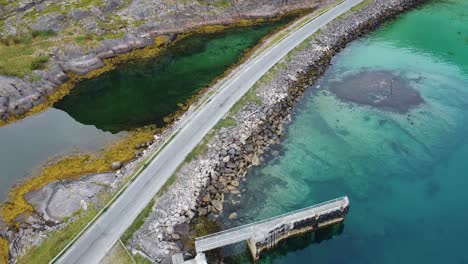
x: 101, y: 236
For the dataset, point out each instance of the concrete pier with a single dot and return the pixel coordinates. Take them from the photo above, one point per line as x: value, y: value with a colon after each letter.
x: 267, y: 233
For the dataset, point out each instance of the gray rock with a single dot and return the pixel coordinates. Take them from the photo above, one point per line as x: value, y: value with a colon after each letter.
x: 116, y: 165
x: 206, y: 198
x: 79, y: 14
x: 183, y: 229
x: 51, y: 21
x: 217, y: 205
x: 84, y: 64
x: 255, y: 160
x: 61, y: 199
x: 233, y: 216
x: 231, y: 165
x: 202, y: 211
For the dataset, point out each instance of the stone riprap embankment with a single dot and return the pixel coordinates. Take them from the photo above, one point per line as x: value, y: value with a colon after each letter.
x: 203, y: 183
x: 139, y: 21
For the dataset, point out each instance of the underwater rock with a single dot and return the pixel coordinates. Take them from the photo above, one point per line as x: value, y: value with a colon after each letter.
x: 380, y: 89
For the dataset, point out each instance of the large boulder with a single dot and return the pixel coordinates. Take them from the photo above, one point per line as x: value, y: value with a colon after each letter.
x: 60, y: 199
x: 83, y: 64
x: 51, y: 21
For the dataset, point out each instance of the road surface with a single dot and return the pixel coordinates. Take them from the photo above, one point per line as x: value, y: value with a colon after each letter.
x: 92, y: 246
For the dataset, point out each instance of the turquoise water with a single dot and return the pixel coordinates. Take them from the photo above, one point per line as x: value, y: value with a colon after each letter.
x: 143, y: 93
x: 405, y: 174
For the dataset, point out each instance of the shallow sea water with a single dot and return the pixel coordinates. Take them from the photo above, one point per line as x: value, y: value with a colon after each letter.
x: 406, y: 174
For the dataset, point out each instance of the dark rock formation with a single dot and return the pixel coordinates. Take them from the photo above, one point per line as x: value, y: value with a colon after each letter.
x: 379, y: 89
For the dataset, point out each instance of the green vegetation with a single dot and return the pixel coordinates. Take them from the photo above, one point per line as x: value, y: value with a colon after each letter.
x: 113, y: 23
x: 54, y: 243
x: 38, y: 63
x: 225, y: 122
x: 19, y: 55
x: 141, y: 260
x: 167, y: 184
x: 222, y: 4
x: 62, y: 7
x: 110, y: 36
x: 200, y: 149
x: 118, y: 254
x: 361, y: 5
x: 43, y: 33
x: 139, y: 221
x: 83, y: 38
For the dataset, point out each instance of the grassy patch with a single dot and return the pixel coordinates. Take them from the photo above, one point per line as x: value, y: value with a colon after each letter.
x: 222, y: 4
x: 39, y: 62
x: 54, y: 243
x: 141, y: 260
x: 225, y: 122
x: 361, y: 5
x: 18, y: 55
x: 113, y: 23
x: 251, y: 95
x: 201, y: 148
x: 117, y: 255
x: 167, y: 184
x: 72, y: 167
x: 43, y: 33
x: 139, y: 221
x: 84, y: 38
x: 110, y: 36
x: 62, y: 7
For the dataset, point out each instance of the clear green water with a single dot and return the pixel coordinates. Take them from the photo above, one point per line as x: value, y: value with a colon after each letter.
x: 405, y: 174
x: 102, y: 109
x: 141, y: 94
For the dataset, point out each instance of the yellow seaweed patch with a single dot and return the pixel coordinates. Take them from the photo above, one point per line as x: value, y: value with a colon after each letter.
x: 4, y: 249
x: 73, y: 167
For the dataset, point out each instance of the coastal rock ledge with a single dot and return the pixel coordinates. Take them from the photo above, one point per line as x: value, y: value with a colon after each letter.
x: 203, y: 183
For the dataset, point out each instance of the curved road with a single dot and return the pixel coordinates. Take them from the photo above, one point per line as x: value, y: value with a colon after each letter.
x: 92, y: 246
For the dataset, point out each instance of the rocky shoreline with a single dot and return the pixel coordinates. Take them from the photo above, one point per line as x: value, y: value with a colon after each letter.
x: 19, y: 95
x: 202, y: 183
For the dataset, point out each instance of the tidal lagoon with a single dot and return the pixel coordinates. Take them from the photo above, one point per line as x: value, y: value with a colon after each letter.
x: 395, y: 143
x: 101, y: 110
x: 143, y: 93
